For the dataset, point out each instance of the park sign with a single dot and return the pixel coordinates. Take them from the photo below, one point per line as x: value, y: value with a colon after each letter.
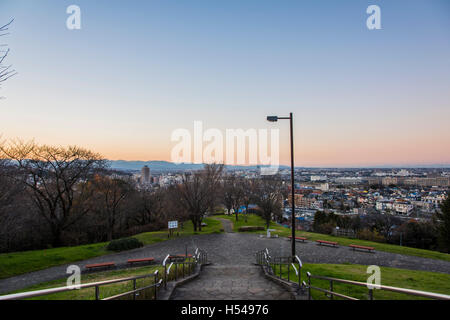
x: 173, y: 224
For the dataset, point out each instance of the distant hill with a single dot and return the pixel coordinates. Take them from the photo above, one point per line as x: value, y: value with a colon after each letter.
x: 166, y: 166
x: 170, y: 166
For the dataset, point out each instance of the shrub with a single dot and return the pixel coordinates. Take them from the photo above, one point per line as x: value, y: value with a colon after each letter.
x: 326, y: 228
x: 124, y: 244
x: 250, y: 228
x: 367, y: 234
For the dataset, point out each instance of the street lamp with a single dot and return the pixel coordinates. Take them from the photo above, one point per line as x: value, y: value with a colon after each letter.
x: 275, y: 119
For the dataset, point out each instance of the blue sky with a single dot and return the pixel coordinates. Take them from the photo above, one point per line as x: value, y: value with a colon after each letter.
x: 137, y: 70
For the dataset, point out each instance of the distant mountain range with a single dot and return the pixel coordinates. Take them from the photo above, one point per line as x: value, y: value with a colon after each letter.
x: 167, y: 166
x: 170, y: 166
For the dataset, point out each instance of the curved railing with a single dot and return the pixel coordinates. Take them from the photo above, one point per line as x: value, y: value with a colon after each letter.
x: 276, y: 265
x: 183, y: 264
x: 330, y: 293
x: 156, y: 284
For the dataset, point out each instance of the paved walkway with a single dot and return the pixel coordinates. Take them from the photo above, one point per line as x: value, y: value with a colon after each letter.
x: 227, y: 225
x: 243, y: 282
x: 228, y: 249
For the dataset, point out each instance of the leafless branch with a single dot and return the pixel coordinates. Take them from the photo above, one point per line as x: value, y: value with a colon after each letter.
x: 6, y: 72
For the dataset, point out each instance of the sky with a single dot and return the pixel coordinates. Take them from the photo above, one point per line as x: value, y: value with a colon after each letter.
x: 138, y: 70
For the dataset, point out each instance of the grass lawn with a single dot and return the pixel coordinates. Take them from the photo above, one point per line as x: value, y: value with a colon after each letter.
x: 411, y: 279
x: 254, y: 220
x: 16, y: 263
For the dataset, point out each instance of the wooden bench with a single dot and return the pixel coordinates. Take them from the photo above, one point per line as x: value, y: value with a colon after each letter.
x: 100, y: 265
x: 355, y: 246
x: 330, y: 243
x: 302, y: 239
x: 131, y: 261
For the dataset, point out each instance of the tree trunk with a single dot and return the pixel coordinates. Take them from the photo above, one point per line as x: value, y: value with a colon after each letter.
x: 110, y: 234
x: 57, y: 237
x: 194, y: 222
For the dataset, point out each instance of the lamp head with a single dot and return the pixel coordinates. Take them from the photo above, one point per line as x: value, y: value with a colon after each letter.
x: 272, y: 118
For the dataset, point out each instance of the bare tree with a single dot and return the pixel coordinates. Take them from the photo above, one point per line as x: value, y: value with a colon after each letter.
x: 269, y: 197
x: 57, y: 180
x: 6, y: 72
x: 8, y: 187
x: 198, y: 191
x: 249, y: 194
x: 233, y: 194
x: 151, y: 205
x: 108, y: 199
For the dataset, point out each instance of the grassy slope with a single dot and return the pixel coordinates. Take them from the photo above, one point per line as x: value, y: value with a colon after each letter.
x: 254, y: 220
x: 12, y: 264
x: 411, y: 279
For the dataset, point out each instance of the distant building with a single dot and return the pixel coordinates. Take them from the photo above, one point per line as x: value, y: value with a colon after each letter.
x: 145, y: 178
x: 318, y: 178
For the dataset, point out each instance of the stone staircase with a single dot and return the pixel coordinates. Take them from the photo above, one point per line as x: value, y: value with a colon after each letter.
x: 233, y: 282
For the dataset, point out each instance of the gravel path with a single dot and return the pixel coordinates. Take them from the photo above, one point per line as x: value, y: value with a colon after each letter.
x: 237, y: 249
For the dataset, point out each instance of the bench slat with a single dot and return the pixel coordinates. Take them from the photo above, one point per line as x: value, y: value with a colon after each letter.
x: 361, y: 247
x: 140, y: 260
x: 298, y: 238
x: 327, y: 242
x: 98, y: 265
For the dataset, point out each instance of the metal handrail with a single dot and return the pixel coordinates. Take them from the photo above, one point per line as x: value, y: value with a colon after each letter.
x: 37, y: 293
x: 298, y: 260
x: 168, y: 269
x: 165, y: 259
x: 133, y: 291
x: 424, y: 294
x: 199, y: 257
x: 264, y: 259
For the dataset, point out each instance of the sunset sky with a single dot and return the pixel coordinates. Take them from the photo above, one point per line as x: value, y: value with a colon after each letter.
x: 138, y: 70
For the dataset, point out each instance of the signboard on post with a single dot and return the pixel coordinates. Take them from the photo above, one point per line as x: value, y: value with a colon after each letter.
x: 172, y: 226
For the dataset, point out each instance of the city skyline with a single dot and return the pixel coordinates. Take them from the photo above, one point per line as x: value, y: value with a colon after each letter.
x: 132, y: 75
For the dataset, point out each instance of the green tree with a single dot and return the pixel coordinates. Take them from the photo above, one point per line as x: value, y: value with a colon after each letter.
x: 443, y: 225
x: 320, y: 217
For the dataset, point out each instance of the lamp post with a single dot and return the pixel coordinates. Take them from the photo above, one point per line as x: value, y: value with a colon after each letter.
x: 290, y: 118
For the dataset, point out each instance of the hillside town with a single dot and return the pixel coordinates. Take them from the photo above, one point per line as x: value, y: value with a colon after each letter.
x: 405, y: 193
